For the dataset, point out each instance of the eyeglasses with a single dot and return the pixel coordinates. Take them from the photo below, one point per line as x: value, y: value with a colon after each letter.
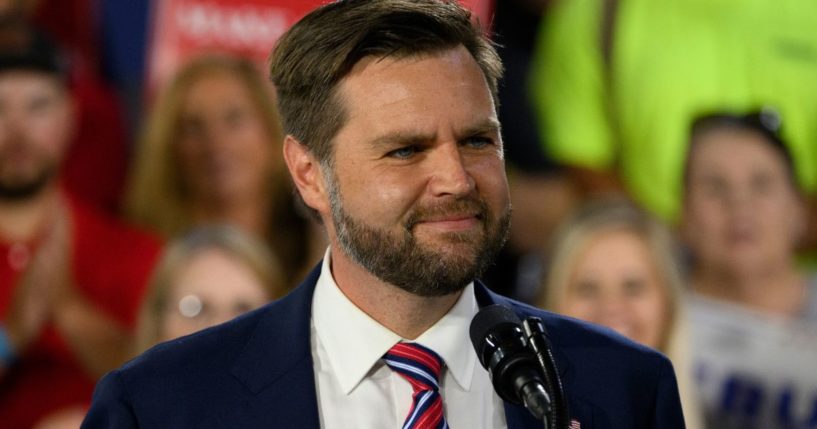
x: 190, y: 306
x: 195, y: 309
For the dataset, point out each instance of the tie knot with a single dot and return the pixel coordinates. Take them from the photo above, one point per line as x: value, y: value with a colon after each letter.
x: 417, y: 364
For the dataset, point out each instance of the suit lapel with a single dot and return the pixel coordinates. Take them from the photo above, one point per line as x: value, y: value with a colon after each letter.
x: 276, y: 363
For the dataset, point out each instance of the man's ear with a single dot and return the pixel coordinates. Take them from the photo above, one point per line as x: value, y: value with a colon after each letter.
x: 800, y: 219
x: 683, y: 226
x: 307, y: 174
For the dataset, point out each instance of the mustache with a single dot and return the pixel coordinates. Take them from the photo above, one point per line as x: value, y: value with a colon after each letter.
x: 16, y: 144
x: 466, y: 206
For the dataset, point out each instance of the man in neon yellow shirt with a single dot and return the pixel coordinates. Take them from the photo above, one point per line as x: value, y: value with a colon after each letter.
x: 616, y: 84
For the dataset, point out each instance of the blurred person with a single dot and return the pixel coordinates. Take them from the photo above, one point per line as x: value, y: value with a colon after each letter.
x: 754, y: 313
x: 70, y: 277
x: 94, y: 165
x: 744, y: 215
x: 72, y: 24
x: 616, y: 83
x: 206, y: 277
x: 613, y: 264
x: 211, y: 153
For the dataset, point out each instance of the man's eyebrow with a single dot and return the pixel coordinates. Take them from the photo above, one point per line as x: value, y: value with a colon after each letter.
x: 405, y: 138
x: 400, y: 138
x: 487, y: 126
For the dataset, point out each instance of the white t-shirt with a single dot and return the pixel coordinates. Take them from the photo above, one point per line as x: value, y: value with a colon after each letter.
x: 755, y: 371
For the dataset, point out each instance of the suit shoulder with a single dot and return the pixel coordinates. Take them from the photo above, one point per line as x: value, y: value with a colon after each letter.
x: 608, y: 377
x: 569, y: 334
x: 214, y: 372
x: 207, y: 350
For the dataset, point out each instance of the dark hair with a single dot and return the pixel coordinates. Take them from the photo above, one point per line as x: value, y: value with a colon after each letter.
x: 765, y: 123
x: 23, y: 47
x: 322, y: 48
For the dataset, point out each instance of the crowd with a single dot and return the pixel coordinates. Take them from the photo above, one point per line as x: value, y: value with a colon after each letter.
x: 662, y: 160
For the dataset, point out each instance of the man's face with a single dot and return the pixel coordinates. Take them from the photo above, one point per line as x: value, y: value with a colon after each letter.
x: 35, y: 123
x: 741, y: 211
x: 417, y: 188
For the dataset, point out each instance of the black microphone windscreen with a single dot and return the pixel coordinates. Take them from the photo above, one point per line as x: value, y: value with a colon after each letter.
x: 487, y: 319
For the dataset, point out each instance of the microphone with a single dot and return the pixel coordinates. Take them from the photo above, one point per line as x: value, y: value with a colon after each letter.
x: 502, y: 349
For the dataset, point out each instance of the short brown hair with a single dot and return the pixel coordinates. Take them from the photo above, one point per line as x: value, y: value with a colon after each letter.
x: 322, y: 48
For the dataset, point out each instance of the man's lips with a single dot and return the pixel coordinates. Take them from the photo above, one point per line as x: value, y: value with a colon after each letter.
x: 451, y: 222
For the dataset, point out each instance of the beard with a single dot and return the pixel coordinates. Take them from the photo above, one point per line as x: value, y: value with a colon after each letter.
x: 400, y: 259
x: 16, y: 189
x: 21, y: 180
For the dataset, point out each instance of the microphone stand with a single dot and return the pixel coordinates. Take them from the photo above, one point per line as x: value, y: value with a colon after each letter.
x: 538, y: 342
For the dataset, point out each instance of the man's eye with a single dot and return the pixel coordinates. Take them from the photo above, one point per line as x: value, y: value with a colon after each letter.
x: 478, y: 142
x: 635, y: 287
x: 236, y: 117
x: 40, y: 104
x: 586, y: 289
x: 403, y: 152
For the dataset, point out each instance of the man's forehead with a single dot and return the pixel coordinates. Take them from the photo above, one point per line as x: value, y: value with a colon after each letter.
x: 383, y: 81
x: 25, y: 79
x: 413, y: 98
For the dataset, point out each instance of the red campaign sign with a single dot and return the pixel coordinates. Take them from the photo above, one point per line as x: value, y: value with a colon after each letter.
x: 182, y: 29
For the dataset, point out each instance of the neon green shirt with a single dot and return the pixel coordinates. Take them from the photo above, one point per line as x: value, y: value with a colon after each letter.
x: 672, y: 60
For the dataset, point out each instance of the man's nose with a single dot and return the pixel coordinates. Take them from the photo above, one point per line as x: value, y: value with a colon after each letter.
x: 738, y: 200
x: 11, y: 126
x: 449, y: 172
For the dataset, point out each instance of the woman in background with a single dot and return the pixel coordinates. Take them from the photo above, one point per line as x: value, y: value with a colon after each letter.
x: 211, y: 154
x: 613, y: 265
x: 204, y: 278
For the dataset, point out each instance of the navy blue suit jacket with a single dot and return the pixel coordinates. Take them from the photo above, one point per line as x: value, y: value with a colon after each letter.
x: 256, y: 372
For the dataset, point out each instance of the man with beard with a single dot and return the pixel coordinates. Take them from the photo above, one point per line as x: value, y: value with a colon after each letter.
x: 393, y: 142
x: 70, y: 279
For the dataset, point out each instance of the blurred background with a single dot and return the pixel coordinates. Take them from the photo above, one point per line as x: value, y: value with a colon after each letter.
x: 662, y: 158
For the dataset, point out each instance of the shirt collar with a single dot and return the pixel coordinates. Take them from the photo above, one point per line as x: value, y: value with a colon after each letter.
x: 449, y: 337
x: 354, y: 342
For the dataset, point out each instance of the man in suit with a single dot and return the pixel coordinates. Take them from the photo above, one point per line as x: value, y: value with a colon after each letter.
x: 393, y: 142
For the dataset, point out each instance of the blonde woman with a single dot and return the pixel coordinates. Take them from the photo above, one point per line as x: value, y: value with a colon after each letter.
x: 614, y: 265
x: 211, y: 153
x: 204, y: 278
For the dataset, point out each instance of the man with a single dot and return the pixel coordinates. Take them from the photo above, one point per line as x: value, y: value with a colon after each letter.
x: 616, y: 83
x: 70, y: 279
x: 754, y: 312
x: 393, y: 141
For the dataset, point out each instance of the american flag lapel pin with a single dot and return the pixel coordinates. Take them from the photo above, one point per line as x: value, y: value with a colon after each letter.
x: 574, y: 424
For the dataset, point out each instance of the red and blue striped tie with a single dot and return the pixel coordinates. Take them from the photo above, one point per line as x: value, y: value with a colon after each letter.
x: 421, y: 367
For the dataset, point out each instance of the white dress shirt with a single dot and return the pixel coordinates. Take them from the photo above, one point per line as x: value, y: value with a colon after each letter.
x: 357, y: 390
